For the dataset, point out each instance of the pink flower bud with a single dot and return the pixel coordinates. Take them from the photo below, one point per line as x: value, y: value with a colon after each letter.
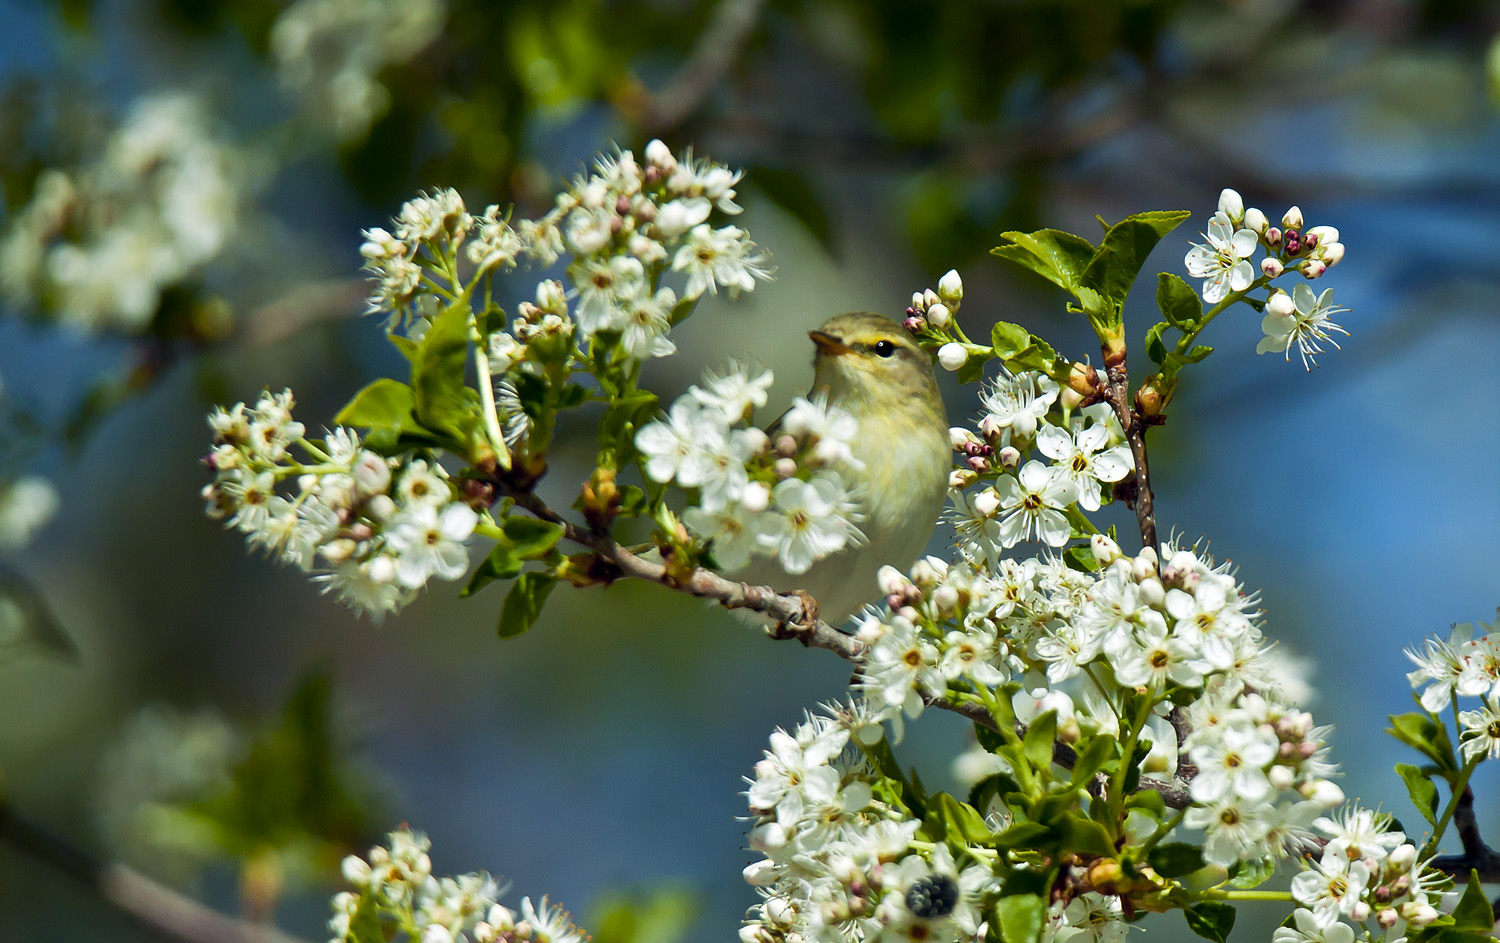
x: 1272, y: 237
x: 1314, y: 268
x: 785, y: 468
x: 1009, y: 456
x: 1323, y: 235
x: 913, y: 324
x: 1271, y: 267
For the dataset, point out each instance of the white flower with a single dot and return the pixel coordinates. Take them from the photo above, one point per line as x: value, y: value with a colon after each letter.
x: 1221, y: 261
x: 1066, y: 648
x: 369, y: 587
x: 725, y: 476
x: 644, y: 323
x: 1449, y: 667
x: 1481, y: 731
x: 736, y: 393
x: 1092, y: 918
x: 1304, y: 322
x: 731, y: 529
x: 833, y: 428
x: 1082, y: 456
x: 1359, y: 833
x: 25, y: 507
x: 1233, y: 763
x: 601, y: 284
x: 1017, y: 403
x: 676, y: 448
x: 420, y: 484
x: 1034, y: 501
x: 1234, y: 828
x: 1333, y: 886
x: 715, y: 258
x: 808, y: 521
x: 431, y: 542
x: 900, y: 666
x: 1307, y: 929
x: 1149, y: 658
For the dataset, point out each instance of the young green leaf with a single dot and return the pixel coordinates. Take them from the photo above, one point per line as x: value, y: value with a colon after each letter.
x: 1174, y: 859
x: 1473, y: 911
x: 444, y: 403
x: 1178, y: 302
x: 1423, y: 791
x: 384, y: 404
x: 524, y: 602
x: 530, y: 538
x: 500, y: 564
x: 1211, y: 919
x: 1423, y: 733
x: 364, y: 925
x: 1040, y: 735
x: 1059, y: 257
x: 1122, y: 253
x: 1021, y: 917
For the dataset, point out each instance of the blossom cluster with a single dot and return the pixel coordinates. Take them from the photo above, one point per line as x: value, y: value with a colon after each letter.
x: 1223, y: 261
x: 785, y: 497
x: 329, y: 53
x: 841, y: 864
x: 374, y: 530
x: 1367, y: 870
x: 1031, y: 501
x: 397, y: 878
x: 97, y: 246
x: 625, y: 225
x: 1463, y: 666
x: 932, y: 317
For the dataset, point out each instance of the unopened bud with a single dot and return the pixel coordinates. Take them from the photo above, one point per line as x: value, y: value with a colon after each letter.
x: 761, y: 873
x: 890, y: 580
x: 756, y: 497
x: 961, y: 478
x: 785, y: 468
x: 1332, y: 253
x: 1256, y: 221
x: 659, y: 155
x: 951, y: 356
x: 381, y: 569
x: 1292, y: 242
x: 380, y: 507
x: 1360, y: 912
x: 1292, y: 219
x: 337, y: 551
x: 929, y: 571
x: 1403, y: 857
x: 1387, y: 917
x: 1009, y: 456
x: 1323, y: 792
x: 1419, y: 915
x: 945, y: 598
x: 1070, y: 398
x: 1314, y: 268
x: 1231, y: 204
x: 1321, y: 236
x: 978, y: 464
x: 918, y: 302
x: 914, y: 324
x: 1271, y: 267
x: 939, y: 316
x: 1148, y: 554
x: 1280, y: 304
x: 1281, y: 777
x: 951, y: 287
x: 987, y: 502
x: 960, y: 438
x: 1272, y: 237
x: 929, y: 298
x: 786, y: 446
x: 1105, y: 550
x: 1153, y: 593
x: 371, y: 473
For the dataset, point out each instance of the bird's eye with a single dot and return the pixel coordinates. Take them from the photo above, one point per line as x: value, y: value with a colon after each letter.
x: 885, y: 348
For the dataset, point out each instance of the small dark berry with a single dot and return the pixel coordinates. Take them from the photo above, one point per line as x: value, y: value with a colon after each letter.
x: 933, y: 896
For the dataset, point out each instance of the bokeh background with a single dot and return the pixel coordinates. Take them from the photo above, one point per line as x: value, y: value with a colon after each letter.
x: 233, y: 150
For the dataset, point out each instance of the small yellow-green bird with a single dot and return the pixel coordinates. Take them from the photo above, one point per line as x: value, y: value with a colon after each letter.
x: 869, y: 366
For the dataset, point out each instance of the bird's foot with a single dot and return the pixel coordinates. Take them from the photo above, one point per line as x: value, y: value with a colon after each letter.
x: 802, y: 627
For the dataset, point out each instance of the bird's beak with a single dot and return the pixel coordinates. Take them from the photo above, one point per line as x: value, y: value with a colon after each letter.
x: 828, y: 345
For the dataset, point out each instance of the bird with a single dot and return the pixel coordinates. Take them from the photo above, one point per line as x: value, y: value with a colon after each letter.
x: 869, y: 366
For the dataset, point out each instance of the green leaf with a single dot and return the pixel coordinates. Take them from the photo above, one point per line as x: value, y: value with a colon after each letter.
x: 1253, y: 873
x: 531, y: 538
x: 384, y: 404
x: 364, y: 926
x: 1197, y: 354
x: 880, y: 754
x: 991, y: 787
x: 1156, y: 349
x: 500, y: 564
x: 1121, y: 254
x: 618, y: 425
x: 444, y: 403
x: 962, y: 819
x: 1059, y: 257
x: 1423, y: 791
x: 27, y: 625
x: 1097, y: 752
x: 524, y: 602
x: 1174, y: 859
x: 1021, y: 917
x: 1009, y: 339
x: 1178, y: 302
x: 1081, y: 557
x: 1038, y: 740
x: 1149, y: 801
x: 1211, y: 919
x: 973, y: 368
x: 1020, y: 834
x: 405, y: 345
x: 1473, y: 911
x: 1086, y: 836
x: 1423, y: 733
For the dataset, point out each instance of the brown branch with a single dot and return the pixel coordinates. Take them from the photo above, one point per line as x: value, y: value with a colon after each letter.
x: 1477, y: 855
x: 1135, y: 432
x: 796, y: 614
x: 716, y: 50
x: 155, y: 905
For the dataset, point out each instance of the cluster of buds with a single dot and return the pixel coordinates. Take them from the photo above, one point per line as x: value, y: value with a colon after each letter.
x: 978, y: 455
x: 1293, y: 245
x: 932, y: 318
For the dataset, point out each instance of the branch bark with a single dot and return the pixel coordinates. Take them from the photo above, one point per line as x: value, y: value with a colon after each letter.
x: 1135, y: 433
x: 152, y: 903
x: 1477, y: 855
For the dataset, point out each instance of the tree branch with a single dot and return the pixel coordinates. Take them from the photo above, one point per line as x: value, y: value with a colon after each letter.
x: 795, y: 612
x: 715, y: 51
x: 165, y: 910
x: 1477, y: 855
x: 1135, y: 432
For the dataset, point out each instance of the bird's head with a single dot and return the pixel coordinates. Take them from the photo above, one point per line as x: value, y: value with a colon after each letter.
x: 867, y: 361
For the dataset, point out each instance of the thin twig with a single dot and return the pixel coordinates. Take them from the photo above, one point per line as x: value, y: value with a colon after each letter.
x: 792, y: 611
x: 152, y: 903
x: 716, y: 50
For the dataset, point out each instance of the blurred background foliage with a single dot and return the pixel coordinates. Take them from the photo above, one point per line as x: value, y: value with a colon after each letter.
x: 184, y: 183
